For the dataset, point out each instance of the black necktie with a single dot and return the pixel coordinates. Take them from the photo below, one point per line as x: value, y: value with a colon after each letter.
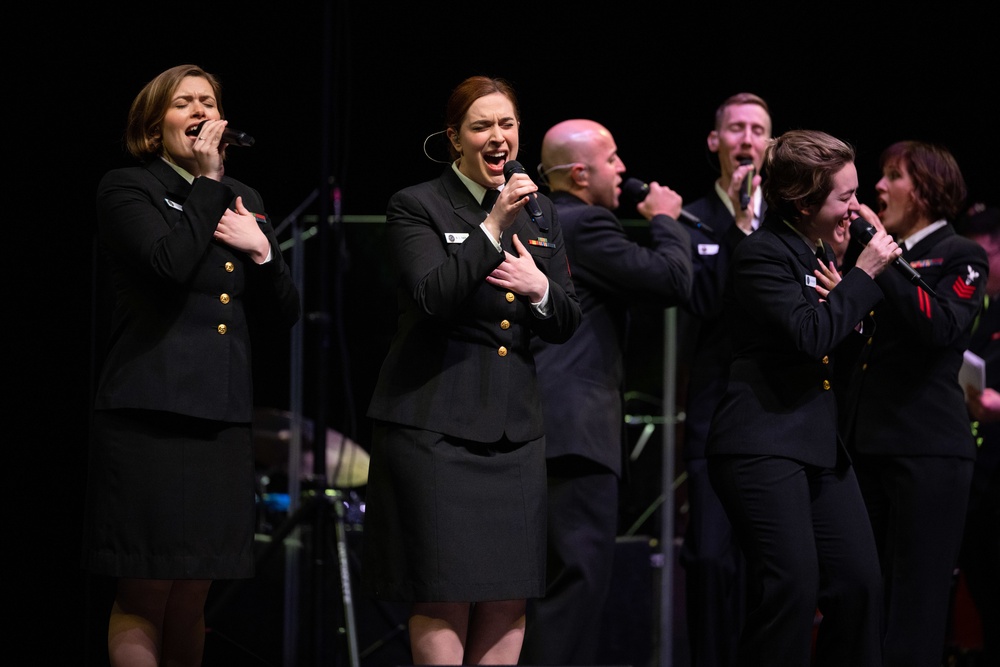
x: 489, y: 199
x: 821, y: 254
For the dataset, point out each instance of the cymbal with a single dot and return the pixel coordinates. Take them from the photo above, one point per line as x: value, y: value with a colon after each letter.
x: 346, y: 460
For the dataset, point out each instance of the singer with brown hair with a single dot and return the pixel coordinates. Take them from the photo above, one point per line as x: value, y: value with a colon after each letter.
x: 455, y: 516
x: 909, y: 430
x: 196, y: 271
x: 775, y: 458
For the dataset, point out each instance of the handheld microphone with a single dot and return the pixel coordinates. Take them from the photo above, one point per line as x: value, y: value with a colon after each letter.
x: 637, y: 191
x: 746, y: 190
x: 863, y: 231
x: 512, y: 167
x: 229, y: 136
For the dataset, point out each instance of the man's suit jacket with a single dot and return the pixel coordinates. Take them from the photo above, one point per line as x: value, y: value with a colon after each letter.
x: 460, y: 362
x: 582, y: 379
x: 185, y: 303
x: 904, y: 396
x: 779, y: 399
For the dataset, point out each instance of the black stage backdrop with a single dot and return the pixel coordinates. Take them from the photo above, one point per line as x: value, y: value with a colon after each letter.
x: 340, y: 96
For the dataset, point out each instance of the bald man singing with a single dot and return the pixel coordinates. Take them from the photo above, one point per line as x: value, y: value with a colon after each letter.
x: 582, y: 380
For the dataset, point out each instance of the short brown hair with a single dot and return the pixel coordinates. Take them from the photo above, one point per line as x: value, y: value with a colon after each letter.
x: 738, y: 98
x: 798, y: 170
x: 938, y: 181
x: 150, y: 106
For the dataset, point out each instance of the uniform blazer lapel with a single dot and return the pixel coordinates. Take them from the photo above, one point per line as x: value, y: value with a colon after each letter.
x: 805, y: 253
x: 465, y: 205
x: 468, y: 209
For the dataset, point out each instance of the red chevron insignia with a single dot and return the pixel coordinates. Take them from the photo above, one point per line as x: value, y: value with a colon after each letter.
x: 962, y: 290
x: 924, y: 302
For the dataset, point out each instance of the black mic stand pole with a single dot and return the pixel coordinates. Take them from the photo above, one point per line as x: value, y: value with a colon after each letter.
x: 667, y: 510
x: 323, y: 494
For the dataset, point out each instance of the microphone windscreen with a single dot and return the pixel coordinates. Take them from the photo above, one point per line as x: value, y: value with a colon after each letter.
x: 635, y: 189
x: 862, y: 230
x: 510, y: 168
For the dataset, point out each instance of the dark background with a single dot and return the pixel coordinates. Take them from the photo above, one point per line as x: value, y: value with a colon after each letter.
x: 349, y: 91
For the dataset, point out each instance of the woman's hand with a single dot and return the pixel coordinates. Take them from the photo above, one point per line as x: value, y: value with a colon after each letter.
x: 519, y: 274
x: 512, y: 199
x: 827, y: 278
x: 208, y: 151
x: 239, y: 230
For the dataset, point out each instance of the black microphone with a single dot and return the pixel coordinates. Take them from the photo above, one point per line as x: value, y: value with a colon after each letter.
x: 863, y: 231
x: 229, y: 136
x: 512, y: 167
x: 747, y: 187
x: 637, y: 191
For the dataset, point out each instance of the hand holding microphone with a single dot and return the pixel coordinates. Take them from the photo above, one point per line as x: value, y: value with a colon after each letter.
x: 637, y: 191
x: 512, y: 167
x: 229, y: 135
x: 882, y: 243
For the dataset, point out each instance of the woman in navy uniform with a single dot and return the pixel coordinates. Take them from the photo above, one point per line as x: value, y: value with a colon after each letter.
x: 908, y: 431
x: 774, y: 455
x: 455, y: 515
x: 195, y: 265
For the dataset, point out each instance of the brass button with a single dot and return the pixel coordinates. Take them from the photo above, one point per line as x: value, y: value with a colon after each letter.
x: 826, y: 384
x: 864, y: 367
x: 869, y: 342
x: 224, y: 298
x: 510, y: 297
x: 826, y: 359
x: 222, y: 329
x: 230, y: 267
x: 505, y: 324
x: 502, y: 351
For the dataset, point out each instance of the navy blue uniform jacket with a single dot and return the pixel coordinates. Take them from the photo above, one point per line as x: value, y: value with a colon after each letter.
x: 779, y: 399
x: 180, y: 338
x: 460, y: 362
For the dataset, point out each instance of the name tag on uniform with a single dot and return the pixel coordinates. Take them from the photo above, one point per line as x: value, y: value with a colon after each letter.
x: 455, y: 237
x: 810, y: 281
x: 173, y: 204
x: 708, y: 248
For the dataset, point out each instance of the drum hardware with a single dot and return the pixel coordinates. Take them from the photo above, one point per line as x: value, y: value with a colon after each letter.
x: 321, y: 499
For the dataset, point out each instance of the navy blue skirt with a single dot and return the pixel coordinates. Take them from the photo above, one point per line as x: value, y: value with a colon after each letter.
x: 449, y: 520
x: 169, y: 497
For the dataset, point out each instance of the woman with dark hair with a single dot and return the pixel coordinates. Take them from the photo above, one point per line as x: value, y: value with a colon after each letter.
x: 774, y: 455
x: 455, y: 514
x: 195, y: 266
x: 909, y: 432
